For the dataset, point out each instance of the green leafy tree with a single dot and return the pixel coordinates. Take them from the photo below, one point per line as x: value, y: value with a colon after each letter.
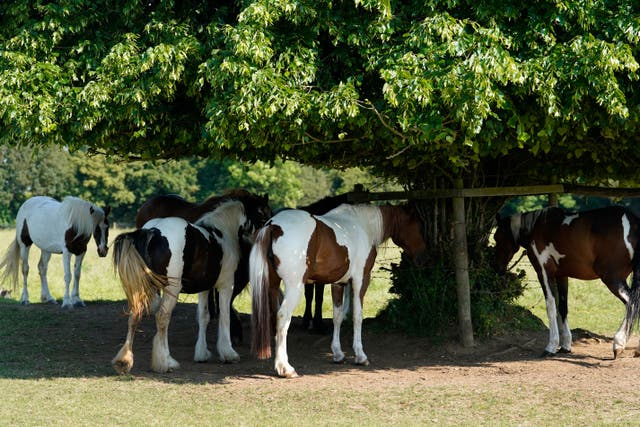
x: 424, y: 92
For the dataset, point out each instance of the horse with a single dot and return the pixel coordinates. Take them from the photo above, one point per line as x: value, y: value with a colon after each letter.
x: 337, y: 247
x: 600, y: 243
x: 55, y: 227
x: 171, y: 205
x: 315, y: 322
x: 171, y: 255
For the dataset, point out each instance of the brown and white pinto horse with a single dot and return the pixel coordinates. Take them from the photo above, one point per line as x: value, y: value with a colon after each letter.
x: 338, y: 247
x: 601, y: 243
x: 171, y: 205
x: 55, y: 227
x: 171, y: 255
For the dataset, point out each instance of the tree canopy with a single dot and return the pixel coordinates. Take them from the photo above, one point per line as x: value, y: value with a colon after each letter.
x: 421, y: 90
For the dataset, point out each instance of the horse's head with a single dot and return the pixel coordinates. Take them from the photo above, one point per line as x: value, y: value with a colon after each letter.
x: 101, y: 229
x: 409, y: 234
x: 506, y: 245
x: 257, y: 210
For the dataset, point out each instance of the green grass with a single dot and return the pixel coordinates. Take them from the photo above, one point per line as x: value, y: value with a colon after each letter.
x: 55, y: 370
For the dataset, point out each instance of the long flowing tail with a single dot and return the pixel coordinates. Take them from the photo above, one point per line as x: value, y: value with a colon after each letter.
x: 139, y: 282
x: 259, y: 279
x: 633, y: 306
x: 11, y: 265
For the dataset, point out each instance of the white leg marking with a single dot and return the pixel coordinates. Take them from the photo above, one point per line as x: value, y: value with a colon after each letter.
x: 626, y: 228
x: 292, y: 295
x: 542, y: 257
x: 336, y: 348
x: 202, y: 353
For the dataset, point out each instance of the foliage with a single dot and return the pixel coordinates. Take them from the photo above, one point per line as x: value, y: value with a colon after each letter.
x: 427, y: 300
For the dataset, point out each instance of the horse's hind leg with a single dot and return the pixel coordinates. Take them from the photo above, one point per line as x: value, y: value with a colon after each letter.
x: 43, y: 264
x: 24, y: 255
x: 620, y: 289
x: 292, y: 295
x: 75, y: 295
x: 123, y: 361
x: 337, y: 293
x: 202, y: 353
x: 161, y: 360
x: 563, y: 308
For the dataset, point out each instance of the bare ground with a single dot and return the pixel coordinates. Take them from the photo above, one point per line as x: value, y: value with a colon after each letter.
x: 504, y: 359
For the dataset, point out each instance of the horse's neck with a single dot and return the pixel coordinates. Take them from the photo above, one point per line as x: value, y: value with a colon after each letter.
x: 226, y: 218
x: 391, y: 226
x: 522, y: 225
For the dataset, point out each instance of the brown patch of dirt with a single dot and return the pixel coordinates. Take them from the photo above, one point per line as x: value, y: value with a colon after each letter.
x: 393, y: 356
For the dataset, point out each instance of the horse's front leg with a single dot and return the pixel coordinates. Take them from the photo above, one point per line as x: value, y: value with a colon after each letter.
x: 66, y: 264
x: 548, y: 286
x: 161, y: 360
x: 224, y: 346
x: 123, y: 361
x: 292, y: 295
x: 75, y: 295
x: 43, y: 264
x: 202, y: 353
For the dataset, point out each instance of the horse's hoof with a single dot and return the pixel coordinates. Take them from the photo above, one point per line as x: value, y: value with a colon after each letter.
x: 289, y: 374
x: 365, y: 362
x: 547, y: 354
x: 564, y: 351
x: 122, y: 367
x: 636, y: 353
x: 617, y: 352
x: 79, y: 304
x: 24, y: 302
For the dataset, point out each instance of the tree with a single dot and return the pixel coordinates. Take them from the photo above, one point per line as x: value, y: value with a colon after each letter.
x: 426, y: 92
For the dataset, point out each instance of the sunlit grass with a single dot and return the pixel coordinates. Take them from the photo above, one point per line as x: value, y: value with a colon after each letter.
x: 98, y: 281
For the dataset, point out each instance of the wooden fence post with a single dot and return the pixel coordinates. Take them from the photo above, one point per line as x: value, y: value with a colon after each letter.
x: 462, y: 269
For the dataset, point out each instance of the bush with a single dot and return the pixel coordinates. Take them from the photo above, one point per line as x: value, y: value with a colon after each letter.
x: 427, y: 303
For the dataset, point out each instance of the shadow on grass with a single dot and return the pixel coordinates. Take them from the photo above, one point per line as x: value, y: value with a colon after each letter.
x: 45, y: 341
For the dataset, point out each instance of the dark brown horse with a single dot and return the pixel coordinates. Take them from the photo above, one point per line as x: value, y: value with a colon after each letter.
x: 163, y: 206
x: 601, y: 243
x: 339, y: 247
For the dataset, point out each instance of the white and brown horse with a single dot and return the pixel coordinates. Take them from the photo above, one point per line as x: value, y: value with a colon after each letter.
x: 601, y: 243
x: 337, y: 247
x: 55, y: 227
x: 171, y: 255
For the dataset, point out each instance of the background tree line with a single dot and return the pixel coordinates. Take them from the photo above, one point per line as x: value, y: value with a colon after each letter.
x: 124, y: 186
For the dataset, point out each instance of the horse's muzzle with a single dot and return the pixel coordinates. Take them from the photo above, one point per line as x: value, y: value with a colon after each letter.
x: 102, y: 251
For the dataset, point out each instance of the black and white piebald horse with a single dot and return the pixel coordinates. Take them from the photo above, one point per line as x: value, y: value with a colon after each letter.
x: 55, y: 227
x: 601, y: 243
x: 171, y: 255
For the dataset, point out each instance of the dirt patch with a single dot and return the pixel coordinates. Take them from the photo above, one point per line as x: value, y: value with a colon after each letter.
x: 393, y: 356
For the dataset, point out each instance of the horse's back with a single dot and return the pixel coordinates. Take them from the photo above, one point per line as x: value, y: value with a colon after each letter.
x: 163, y: 206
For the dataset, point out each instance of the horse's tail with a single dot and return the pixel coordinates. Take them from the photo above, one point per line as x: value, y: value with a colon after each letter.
x: 11, y: 265
x: 259, y: 269
x: 633, y: 305
x: 140, y: 284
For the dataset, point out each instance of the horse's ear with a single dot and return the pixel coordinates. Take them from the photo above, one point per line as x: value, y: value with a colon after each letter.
x: 91, y: 210
x: 266, y: 197
x: 107, y: 211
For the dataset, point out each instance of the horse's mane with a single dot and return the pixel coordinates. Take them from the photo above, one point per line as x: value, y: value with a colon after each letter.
x: 225, y: 217
x: 78, y: 213
x: 522, y: 224
x: 234, y: 194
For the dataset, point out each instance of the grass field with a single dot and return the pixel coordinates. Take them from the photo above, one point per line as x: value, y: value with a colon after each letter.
x: 42, y: 390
